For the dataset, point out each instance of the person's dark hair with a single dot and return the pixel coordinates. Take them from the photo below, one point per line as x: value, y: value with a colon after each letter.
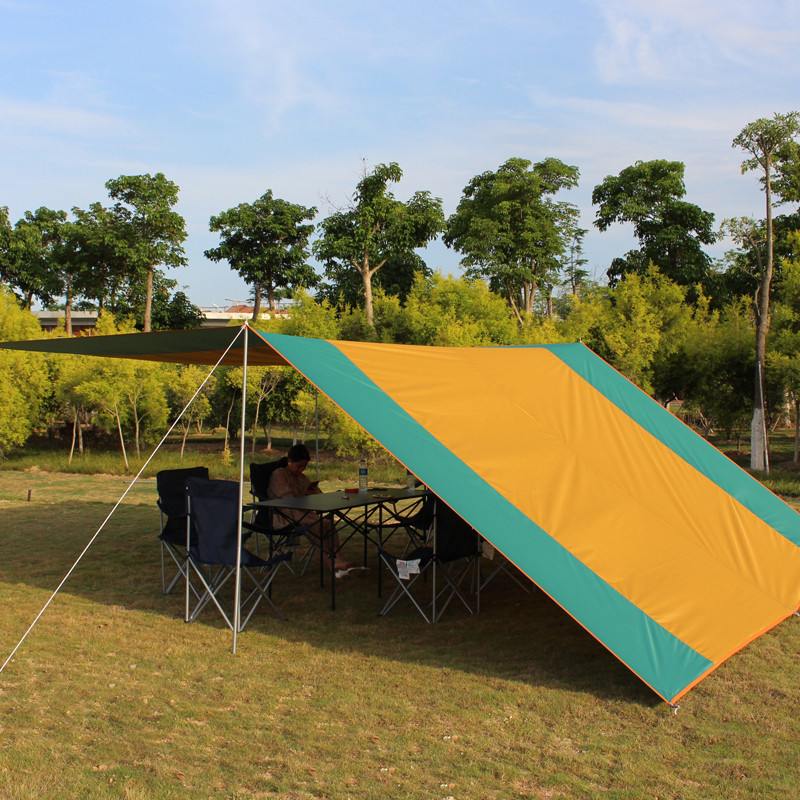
x: 299, y: 452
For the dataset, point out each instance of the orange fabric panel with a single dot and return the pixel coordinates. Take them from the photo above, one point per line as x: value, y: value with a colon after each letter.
x: 619, y: 500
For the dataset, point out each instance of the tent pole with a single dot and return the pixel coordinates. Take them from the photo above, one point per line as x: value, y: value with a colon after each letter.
x: 236, y: 609
x: 435, y: 554
x: 316, y: 426
x: 131, y: 484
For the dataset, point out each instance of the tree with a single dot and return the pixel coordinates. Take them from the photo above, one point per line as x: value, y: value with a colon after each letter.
x: 769, y: 142
x: 632, y: 324
x: 154, y: 232
x: 456, y: 312
x: 266, y: 242
x: 183, y: 385
x: 6, y: 232
x: 101, y: 251
x: 177, y: 314
x: 377, y: 228
x: 30, y: 259
x: 261, y: 383
x: 395, y: 278
x: 712, y: 370
x: 670, y: 231
x: 783, y: 357
x: 512, y: 232
x: 24, y: 380
x: 574, y: 261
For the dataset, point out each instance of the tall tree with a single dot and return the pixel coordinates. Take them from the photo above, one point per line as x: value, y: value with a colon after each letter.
x: 574, y: 260
x: 670, y: 231
x: 511, y: 230
x: 155, y: 232
x: 29, y: 263
x: 6, y: 232
x: 101, y: 250
x: 266, y: 242
x: 377, y: 228
x: 396, y: 278
x: 771, y: 144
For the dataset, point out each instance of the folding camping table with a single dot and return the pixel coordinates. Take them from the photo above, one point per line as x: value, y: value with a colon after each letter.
x: 372, y: 508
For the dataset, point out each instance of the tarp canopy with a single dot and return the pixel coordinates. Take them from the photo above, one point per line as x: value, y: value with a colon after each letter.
x: 661, y: 547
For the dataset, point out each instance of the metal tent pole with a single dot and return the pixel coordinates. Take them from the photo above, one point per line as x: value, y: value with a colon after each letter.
x: 237, y: 610
x: 316, y: 427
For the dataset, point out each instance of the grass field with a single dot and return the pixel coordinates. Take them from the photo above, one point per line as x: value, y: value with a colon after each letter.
x: 113, y: 696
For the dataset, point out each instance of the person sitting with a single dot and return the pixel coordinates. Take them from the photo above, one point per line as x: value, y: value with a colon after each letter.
x: 291, y: 481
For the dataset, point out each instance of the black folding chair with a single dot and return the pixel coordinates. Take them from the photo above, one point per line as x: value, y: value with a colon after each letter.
x: 214, y: 510
x: 418, y: 524
x: 171, y: 486
x: 451, y: 554
x: 500, y: 565
x: 285, y: 540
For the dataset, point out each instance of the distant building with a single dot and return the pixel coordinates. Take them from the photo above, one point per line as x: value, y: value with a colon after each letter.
x: 82, y: 321
x: 216, y: 318
x: 213, y: 317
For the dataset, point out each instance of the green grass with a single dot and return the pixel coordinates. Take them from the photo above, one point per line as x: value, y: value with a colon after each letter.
x: 113, y: 696
x: 208, y: 449
x: 784, y: 476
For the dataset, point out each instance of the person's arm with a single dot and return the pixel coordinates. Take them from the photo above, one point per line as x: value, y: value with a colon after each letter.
x: 313, y: 488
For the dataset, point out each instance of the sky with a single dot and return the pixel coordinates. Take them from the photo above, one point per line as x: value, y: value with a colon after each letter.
x: 229, y: 98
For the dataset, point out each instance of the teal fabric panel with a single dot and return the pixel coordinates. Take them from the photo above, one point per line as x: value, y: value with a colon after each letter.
x: 679, y: 438
x: 660, y: 659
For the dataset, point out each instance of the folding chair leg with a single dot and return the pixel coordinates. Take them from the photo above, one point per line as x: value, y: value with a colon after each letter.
x: 454, y: 585
x: 402, y: 588
x: 261, y: 589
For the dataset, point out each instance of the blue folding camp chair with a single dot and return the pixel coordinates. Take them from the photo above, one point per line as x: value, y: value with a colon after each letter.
x: 214, y: 510
x: 171, y: 487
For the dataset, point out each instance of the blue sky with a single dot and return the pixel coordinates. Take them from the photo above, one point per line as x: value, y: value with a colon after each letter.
x: 230, y: 98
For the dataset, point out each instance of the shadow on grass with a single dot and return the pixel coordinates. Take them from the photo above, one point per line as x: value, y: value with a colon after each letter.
x: 516, y: 637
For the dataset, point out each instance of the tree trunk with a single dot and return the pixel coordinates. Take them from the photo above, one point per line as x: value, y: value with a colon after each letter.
x: 529, y: 294
x: 228, y: 421
x: 68, y: 311
x: 512, y: 303
x: 255, y: 428
x: 758, y: 431
x: 185, y: 425
x: 121, y: 439
x: 148, y: 299
x: 256, y: 301
x: 75, y: 433
x: 368, y: 309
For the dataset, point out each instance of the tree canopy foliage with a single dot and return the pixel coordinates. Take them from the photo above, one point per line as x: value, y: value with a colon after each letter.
x: 671, y: 231
x: 377, y: 229
x: 511, y: 230
x: 152, y: 233
x: 266, y: 242
x: 670, y: 318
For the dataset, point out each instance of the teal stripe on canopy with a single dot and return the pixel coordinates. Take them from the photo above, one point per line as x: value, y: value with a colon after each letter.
x: 679, y: 438
x: 659, y: 658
